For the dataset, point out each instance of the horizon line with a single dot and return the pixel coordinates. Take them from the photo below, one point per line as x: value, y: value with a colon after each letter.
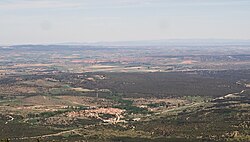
x: 124, y: 41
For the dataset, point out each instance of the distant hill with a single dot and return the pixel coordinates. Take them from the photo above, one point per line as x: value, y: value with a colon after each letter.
x: 170, y: 42
x: 177, y: 42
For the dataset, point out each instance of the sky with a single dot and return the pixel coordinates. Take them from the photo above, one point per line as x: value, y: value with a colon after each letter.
x: 60, y: 21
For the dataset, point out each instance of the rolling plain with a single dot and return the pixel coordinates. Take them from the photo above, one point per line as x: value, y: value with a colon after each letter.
x: 125, y: 93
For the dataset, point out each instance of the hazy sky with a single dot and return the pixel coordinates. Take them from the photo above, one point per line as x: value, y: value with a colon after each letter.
x: 56, y: 21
